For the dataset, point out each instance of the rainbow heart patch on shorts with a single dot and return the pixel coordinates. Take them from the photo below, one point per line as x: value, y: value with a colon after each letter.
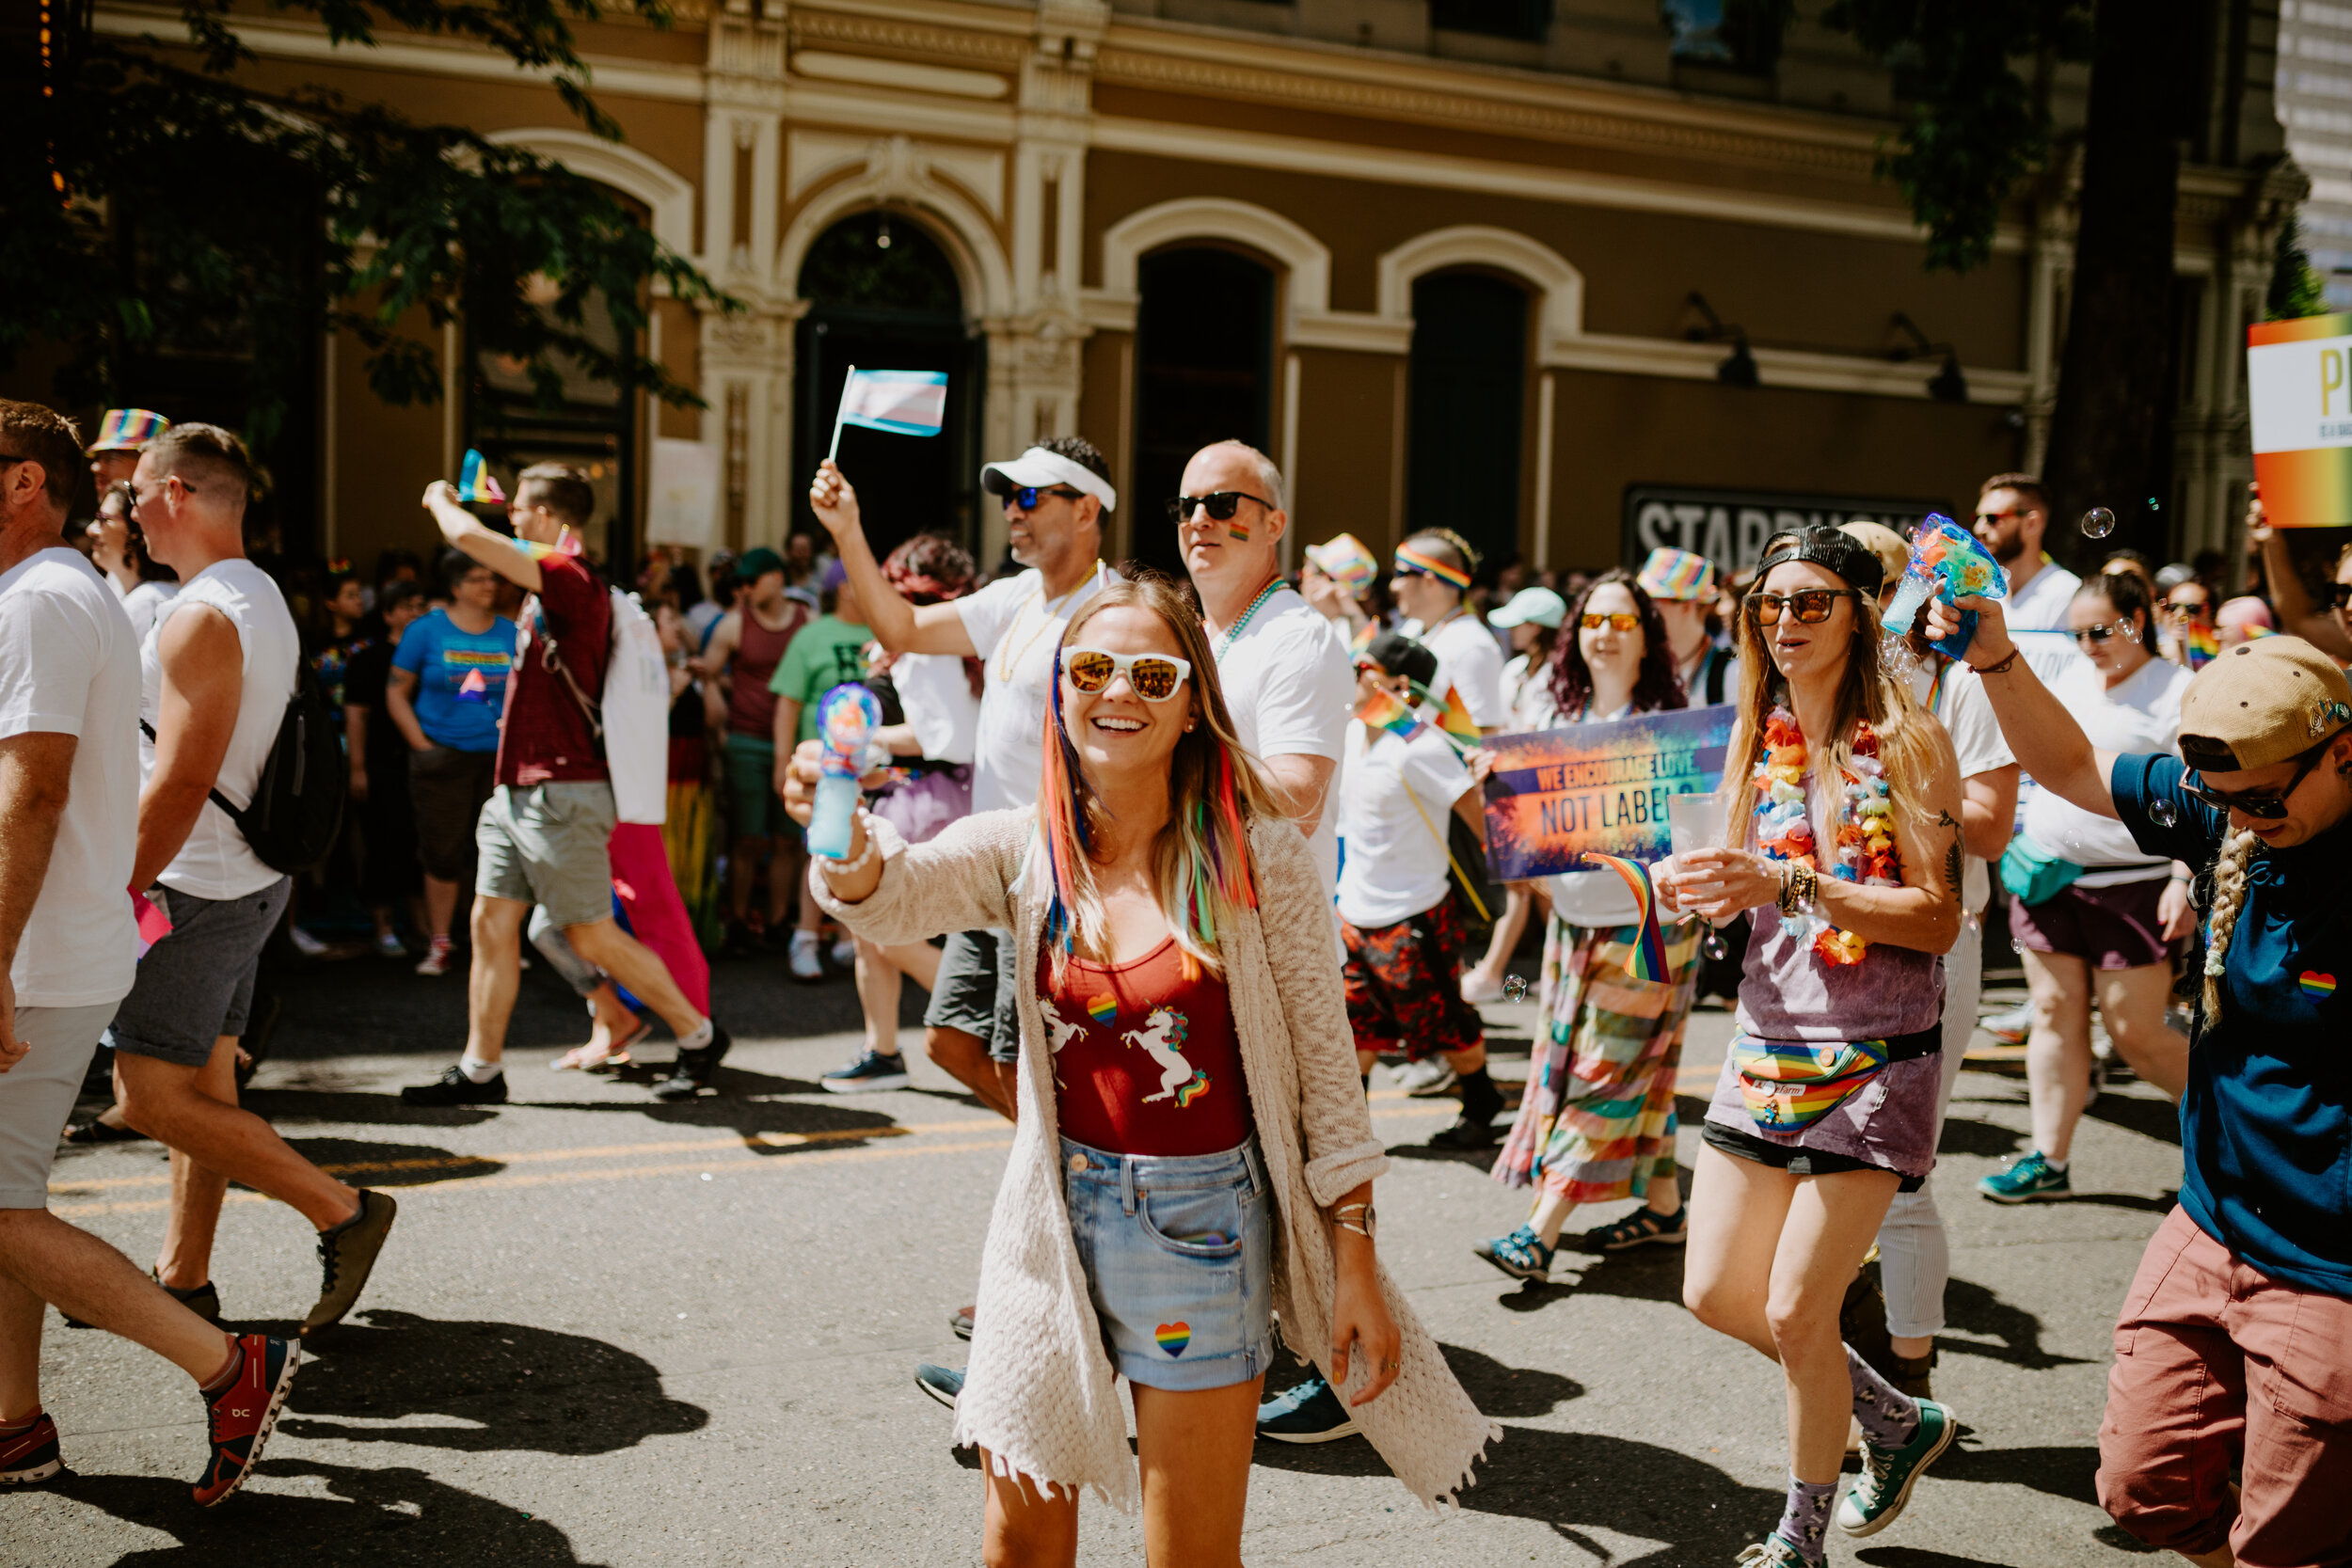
x: 1173, y: 1338
x: 2317, y: 984
x: 1102, y: 1008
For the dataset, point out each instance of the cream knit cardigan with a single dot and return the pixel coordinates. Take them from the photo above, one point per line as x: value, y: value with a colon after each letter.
x: 1039, y: 1394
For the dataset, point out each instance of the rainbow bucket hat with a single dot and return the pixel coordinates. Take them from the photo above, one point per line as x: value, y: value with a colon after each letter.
x: 1672, y: 574
x: 1346, y: 562
x: 128, y: 430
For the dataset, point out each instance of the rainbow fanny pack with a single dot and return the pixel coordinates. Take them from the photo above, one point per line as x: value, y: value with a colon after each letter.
x: 1790, y: 1085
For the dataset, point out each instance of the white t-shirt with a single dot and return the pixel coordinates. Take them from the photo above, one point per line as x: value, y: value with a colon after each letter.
x: 936, y: 695
x: 1526, y: 695
x: 1468, y: 660
x: 215, y: 862
x: 1396, y: 854
x: 1015, y: 628
x: 142, y: 603
x: 2141, y: 715
x: 1290, y: 688
x: 2036, y: 614
x: 68, y: 666
x: 1966, y: 714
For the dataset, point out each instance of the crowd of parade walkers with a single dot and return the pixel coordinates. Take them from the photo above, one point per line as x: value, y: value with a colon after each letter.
x: 1179, y: 862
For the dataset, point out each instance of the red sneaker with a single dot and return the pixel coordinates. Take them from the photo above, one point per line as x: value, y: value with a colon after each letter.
x: 243, y: 1411
x: 31, y: 1454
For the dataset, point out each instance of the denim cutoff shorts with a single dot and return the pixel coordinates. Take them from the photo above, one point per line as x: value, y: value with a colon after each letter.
x: 1179, y: 1255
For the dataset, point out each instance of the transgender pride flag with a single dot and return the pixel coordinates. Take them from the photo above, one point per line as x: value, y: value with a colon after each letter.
x: 901, y: 403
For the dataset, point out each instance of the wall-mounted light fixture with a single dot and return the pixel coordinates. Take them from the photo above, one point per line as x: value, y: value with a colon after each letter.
x: 1738, y: 368
x: 1948, y: 385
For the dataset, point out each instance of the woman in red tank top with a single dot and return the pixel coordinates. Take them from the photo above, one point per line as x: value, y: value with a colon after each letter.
x: 1187, y: 1101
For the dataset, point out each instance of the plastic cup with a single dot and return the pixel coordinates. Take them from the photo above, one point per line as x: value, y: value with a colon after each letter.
x: 1697, y: 822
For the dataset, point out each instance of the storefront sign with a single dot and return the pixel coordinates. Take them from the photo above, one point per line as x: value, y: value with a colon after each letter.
x: 2298, y: 379
x: 1729, y: 527
x: 1557, y: 792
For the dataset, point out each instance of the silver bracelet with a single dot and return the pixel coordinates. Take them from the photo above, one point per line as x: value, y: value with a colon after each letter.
x: 864, y: 820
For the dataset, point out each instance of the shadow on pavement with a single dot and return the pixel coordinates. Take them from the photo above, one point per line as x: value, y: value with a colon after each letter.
x: 1980, y: 1139
x: 521, y: 1389
x: 841, y: 1126
x: 398, y: 1515
x: 1974, y: 1309
x: 373, y: 1165
x: 1912, y: 1557
x: 1637, y: 1274
x: 2069, y: 1473
x: 2150, y: 1115
x: 280, y: 1106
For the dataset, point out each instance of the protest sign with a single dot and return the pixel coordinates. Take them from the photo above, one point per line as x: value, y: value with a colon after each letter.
x: 1554, y: 794
x: 2298, y: 382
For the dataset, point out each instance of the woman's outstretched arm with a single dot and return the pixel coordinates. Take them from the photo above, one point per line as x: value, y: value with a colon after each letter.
x: 2050, y: 745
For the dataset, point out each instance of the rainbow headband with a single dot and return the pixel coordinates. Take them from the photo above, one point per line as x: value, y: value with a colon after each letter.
x: 1412, y: 560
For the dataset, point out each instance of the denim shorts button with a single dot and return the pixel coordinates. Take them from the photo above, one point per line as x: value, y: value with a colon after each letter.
x: 1077, y: 1162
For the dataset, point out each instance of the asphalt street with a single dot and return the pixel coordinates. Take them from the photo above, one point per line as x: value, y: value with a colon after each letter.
x: 610, y: 1331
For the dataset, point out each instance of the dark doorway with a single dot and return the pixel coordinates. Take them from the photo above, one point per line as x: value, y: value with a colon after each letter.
x: 1205, y: 339
x: 883, y: 295
x: 1468, y: 401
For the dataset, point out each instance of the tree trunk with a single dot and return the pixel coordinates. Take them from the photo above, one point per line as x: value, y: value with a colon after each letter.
x: 2110, y: 432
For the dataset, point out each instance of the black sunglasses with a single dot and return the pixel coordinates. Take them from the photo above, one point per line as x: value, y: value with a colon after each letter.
x: 1220, y: 505
x: 1027, y: 495
x: 2340, y: 594
x: 1812, y: 606
x: 2266, y: 805
x: 2099, y: 634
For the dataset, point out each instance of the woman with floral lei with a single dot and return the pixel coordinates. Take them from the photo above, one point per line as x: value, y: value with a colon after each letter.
x: 1193, y: 1153
x: 1846, y: 804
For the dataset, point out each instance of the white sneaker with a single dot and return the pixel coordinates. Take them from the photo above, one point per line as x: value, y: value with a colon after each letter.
x: 436, y: 960
x: 1478, y: 988
x: 845, y: 954
x: 305, y: 944
x: 1428, y: 1076
x: 806, y: 964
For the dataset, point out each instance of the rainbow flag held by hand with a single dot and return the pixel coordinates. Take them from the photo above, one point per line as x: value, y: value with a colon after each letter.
x: 1456, y: 722
x: 1646, y: 959
x: 1385, y: 711
x: 2200, y: 643
x: 476, y: 485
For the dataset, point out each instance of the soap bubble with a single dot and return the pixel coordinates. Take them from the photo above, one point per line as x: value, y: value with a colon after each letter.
x: 2098, y: 523
x: 1513, y: 988
x: 1713, y: 947
x: 2162, y: 811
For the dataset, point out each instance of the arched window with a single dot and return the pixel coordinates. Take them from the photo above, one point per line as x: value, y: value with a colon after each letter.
x: 1468, y: 407
x: 883, y: 295
x: 1203, y: 372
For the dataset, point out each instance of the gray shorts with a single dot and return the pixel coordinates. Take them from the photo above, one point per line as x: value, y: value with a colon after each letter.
x: 976, y: 990
x: 37, y: 1095
x: 197, y: 984
x: 548, y: 844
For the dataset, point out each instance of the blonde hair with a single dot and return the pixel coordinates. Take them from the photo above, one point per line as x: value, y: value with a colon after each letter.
x: 2229, y: 902
x: 1200, y: 859
x: 1910, y: 744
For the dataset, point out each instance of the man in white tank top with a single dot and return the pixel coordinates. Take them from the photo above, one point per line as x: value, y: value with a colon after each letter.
x: 217, y: 671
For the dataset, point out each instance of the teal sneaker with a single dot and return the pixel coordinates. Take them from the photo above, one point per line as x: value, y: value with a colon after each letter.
x: 2029, y: 1178
x: 1521, y: 1254
x: 1878, y: 1497
x: 1774, y: 1551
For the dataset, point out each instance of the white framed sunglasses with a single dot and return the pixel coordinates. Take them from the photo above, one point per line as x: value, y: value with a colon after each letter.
x: 1154, y: 676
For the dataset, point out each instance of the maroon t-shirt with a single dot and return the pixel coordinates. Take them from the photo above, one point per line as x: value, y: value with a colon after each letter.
x: 545, y: 734
x: 1145, y: 1059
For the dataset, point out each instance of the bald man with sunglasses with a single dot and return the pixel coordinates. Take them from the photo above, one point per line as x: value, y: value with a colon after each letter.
x: 1285, y: 673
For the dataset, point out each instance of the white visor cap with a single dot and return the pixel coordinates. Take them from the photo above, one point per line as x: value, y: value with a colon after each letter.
x: 1043, y: 470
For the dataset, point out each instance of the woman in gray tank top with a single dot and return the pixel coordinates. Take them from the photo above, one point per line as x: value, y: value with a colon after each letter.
x: 1846, y: 845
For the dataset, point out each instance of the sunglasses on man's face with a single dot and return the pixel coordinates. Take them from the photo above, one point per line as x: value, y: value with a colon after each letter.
x: 1811, y: 606
x: 2181, y: 608
x: 2268, y: 805
x: 1154, y: 677
x: 1219, y: 504
x: 1990, y: 519
x: 1027, y: 495
x: 1623, y: 620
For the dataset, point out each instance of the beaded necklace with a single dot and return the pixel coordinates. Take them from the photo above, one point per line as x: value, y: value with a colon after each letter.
x: 1225, y: 643
x: 1866, y: 849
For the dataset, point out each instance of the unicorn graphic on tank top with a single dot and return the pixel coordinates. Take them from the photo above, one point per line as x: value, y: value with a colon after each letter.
x: 1059, y: 1027
x: 1180, y: 1080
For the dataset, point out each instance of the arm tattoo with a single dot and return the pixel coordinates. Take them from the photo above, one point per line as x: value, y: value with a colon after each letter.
x: 1951, y: 866
x: 1945, y: 819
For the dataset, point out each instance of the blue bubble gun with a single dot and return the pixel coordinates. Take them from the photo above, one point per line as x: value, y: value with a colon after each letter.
x: 847, y: 716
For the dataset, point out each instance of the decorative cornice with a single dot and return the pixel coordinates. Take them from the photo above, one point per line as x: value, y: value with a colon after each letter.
x: 906, y: 37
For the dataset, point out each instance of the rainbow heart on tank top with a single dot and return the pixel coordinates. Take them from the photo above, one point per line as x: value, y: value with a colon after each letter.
x: 1102, y: 1008
x: 1173, y: 1338
x: 2317, y: 984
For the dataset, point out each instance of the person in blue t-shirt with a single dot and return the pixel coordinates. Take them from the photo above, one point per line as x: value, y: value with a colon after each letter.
x: 2231, y: 1349
x: 448, y: 692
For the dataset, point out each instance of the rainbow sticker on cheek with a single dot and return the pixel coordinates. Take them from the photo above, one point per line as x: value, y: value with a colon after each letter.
x: 1238, y: 530
x: 1173, y: 1338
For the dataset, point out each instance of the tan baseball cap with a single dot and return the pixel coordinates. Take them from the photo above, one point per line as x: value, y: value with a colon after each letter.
x: 2262, y: 702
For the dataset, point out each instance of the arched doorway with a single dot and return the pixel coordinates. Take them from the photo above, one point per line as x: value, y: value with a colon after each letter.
x: 1205, y: 339
x: 883, y: 294
x: 1467, y: 408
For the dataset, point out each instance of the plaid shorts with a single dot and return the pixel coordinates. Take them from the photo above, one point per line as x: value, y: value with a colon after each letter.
x: 1404, y: 984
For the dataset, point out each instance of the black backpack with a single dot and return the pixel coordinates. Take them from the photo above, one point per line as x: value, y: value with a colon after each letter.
x: 297, y: 803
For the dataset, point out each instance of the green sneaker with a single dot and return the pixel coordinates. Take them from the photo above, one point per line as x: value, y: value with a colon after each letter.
x: 1774, y: 1551
x: 1878, y: 1497
x: 2029, y: 1180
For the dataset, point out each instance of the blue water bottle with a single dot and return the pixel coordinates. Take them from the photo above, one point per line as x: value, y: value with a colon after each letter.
x: 846, y: 717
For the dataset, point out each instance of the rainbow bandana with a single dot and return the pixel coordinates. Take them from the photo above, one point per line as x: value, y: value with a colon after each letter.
x: 128, y: 430
x: 1790, y: 1085
x: 1412, y: 560
x: 1645, y: 958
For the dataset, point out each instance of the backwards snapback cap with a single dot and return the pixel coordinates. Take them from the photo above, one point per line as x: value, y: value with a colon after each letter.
x: 1824, y: 546
x: 128, y: 430
x: 1398, y: 654
x: 2262, y: 702
x: 1041, y: 468
x: 1672, y: 574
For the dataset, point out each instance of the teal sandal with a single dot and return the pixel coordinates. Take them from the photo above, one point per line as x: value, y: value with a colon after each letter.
x: 1644, y: 1225
x: 1521, y: 1254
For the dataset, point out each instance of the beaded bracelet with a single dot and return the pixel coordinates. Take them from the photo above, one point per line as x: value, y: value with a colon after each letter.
x: 842, y: 868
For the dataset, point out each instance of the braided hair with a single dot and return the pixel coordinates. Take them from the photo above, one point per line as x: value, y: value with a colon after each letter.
x: 2229, y: 902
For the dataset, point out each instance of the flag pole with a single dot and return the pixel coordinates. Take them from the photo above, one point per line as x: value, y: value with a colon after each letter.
x: 841, y: 409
